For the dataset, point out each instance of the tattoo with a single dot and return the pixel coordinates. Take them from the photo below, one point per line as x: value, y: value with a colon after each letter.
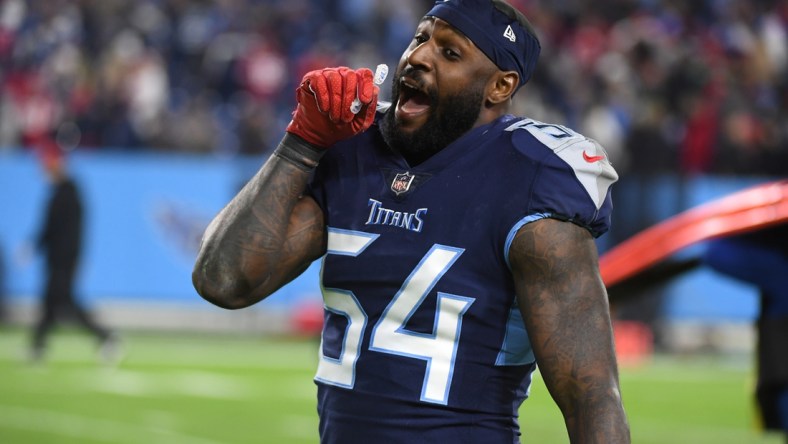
x: 564, y: 305
x: 267, y: 235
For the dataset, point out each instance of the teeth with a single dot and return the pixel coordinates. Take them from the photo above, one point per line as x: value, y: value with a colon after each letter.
x: 408, y: 83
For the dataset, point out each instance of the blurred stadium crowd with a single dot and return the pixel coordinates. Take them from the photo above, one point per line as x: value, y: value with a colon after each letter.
x: 665, y: 85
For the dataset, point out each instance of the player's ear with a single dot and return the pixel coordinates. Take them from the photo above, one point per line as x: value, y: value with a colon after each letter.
x: 502, y: 86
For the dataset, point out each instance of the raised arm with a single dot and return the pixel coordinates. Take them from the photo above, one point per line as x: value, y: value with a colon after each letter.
x: 566, y: 312
x: 270, y: 233
x: 266, y: 236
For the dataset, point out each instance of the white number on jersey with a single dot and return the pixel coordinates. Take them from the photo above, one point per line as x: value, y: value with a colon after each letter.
x: 389, y: 335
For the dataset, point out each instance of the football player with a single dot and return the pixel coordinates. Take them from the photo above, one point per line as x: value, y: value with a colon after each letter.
x: 457, y: 243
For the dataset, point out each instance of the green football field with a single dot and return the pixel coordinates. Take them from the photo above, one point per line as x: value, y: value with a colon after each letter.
x: 199, y: 389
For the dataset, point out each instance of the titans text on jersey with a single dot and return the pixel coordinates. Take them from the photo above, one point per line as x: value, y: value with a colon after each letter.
x: 378, y: 215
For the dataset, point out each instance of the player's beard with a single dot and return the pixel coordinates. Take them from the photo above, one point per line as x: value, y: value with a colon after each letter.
x: 450, y: 118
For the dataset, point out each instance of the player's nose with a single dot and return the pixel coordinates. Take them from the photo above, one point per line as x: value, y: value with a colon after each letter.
x: 420, y: 57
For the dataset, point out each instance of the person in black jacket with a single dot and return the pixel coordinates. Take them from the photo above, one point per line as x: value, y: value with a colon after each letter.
x: 60, y: 240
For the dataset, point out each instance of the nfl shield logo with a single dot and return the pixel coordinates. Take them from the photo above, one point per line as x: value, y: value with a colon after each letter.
x: 401, y: 183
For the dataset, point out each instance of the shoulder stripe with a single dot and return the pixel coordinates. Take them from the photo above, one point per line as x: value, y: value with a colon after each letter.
x: 591, y: 166
x: 585, y: 156
x: 551, y: 135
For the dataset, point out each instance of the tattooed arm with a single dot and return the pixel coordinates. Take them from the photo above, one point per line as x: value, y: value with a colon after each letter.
x: 269, y: 233
x: 565, y: 308
x: 265, y: 237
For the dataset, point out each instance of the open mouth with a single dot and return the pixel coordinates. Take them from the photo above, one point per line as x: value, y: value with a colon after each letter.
x: 412, y: 100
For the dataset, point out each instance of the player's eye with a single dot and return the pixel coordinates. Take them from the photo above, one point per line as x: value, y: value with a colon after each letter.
x: 451, y: 54
x: 420, y: 38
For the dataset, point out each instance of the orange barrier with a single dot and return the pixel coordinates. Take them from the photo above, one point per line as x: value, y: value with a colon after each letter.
x: 754, y: 208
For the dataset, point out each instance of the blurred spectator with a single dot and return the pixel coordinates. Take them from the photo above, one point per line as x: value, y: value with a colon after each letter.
x: 694, y: 87
x: 60, y: 239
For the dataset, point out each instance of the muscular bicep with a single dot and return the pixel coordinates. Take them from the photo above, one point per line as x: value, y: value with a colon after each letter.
x: 565, y: 308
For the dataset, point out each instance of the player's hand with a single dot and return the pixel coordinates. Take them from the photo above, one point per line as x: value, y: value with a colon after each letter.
x: 324, y: 113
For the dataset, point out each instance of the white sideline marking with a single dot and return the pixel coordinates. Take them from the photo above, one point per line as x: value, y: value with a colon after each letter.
x: 185, y: 383
x: 210, y: 385
x: 77, y: 426
x: 198, y: 384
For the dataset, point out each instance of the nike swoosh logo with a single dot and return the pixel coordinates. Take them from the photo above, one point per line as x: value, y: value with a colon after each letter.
x: 592, y: 159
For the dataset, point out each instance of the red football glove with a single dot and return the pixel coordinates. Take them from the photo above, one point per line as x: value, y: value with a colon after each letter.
x: 325, y: 97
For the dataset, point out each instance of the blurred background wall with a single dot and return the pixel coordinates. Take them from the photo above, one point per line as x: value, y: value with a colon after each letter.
x: 166, y: 107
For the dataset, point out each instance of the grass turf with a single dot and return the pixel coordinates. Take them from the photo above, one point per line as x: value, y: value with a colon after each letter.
x: 200, y: 389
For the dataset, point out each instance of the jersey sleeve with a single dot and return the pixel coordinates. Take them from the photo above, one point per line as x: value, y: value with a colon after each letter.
x: 573, y: 178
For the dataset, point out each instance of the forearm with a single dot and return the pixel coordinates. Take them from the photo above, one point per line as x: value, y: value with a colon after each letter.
x: 264, y: 237
x: 584, y: 384
x: 577, y: 360
x: 599, y: 419
x: 579, y: 367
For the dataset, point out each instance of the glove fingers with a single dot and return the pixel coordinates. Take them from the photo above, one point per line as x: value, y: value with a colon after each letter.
x: 349, y: 94
x: 366, y: 87
x: 333, y: 93
x: 325, y: 102
x: 315, y: 84
x: 368, y: 114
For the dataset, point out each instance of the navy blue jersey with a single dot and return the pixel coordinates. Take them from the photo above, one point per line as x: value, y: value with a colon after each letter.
x: 423, y: 340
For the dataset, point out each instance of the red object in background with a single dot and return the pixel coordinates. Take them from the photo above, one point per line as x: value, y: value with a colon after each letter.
x: 264, y: 71
x: 634, y: 342
x: 31, y: 101
x: 757, y: 207
x: 47, y: 150
x: 307, y: 318
x: 697, y: 147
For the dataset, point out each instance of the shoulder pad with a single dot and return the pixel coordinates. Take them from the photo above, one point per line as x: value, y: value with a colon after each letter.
x: 585, y: 156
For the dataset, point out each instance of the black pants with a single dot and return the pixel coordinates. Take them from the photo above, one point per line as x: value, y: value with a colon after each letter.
x: 59, y: 304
